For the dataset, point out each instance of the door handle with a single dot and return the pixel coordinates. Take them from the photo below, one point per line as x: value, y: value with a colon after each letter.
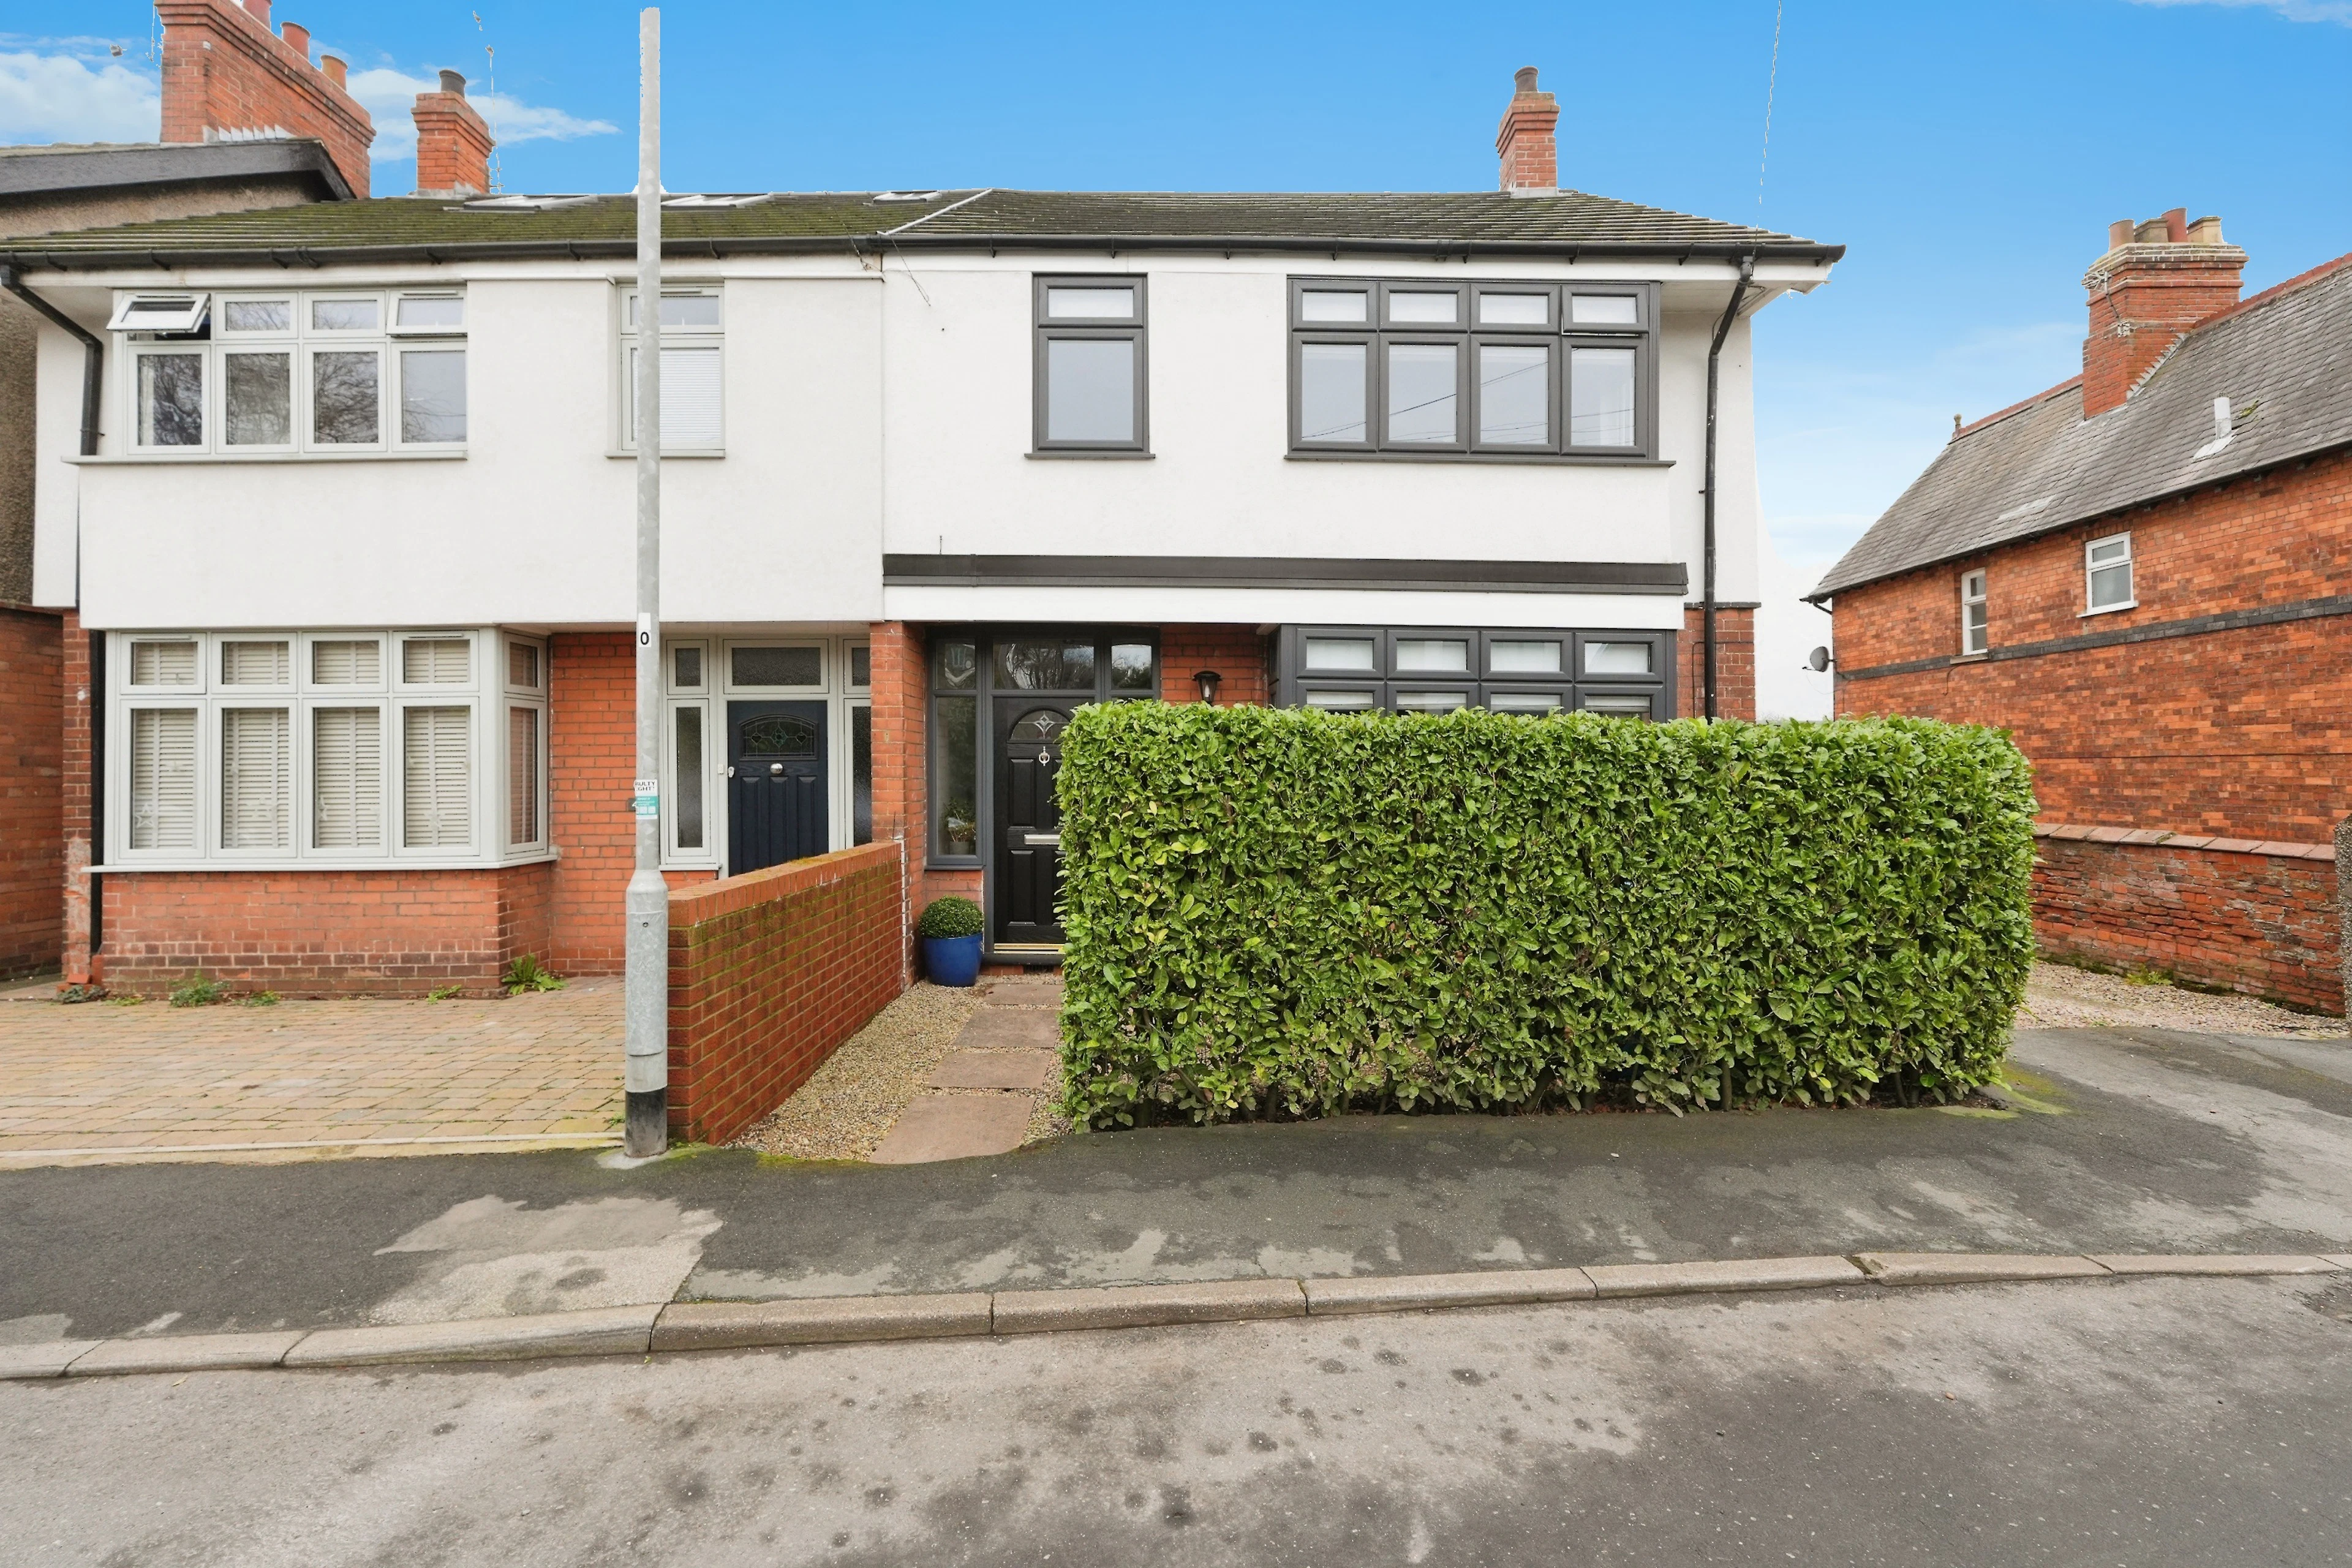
x: 775, y: 770
x: 1042, y: 840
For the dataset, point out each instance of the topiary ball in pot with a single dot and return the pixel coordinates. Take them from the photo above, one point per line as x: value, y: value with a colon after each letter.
x: 951, y: 929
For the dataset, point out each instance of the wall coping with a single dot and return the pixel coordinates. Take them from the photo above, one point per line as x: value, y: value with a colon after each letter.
x: 2149, y: 837
x: 690, y: 907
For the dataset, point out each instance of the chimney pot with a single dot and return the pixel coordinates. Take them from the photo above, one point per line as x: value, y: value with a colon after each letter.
x: 297, y: 38
x: 335, y: 67
x: 1526, y: 78
x: 2205, y: 231
x: 226, y: 72
x: 2119, y: 233
x: 1529, y: 152
x: 2176, y: 227
x: 2158, y: 281
x: 451, y: 82
x: 260, y: 11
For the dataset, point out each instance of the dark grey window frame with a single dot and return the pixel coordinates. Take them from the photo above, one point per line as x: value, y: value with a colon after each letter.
x: 1296, y: 681
x: 1043, y: 331
x: 1563, y: 336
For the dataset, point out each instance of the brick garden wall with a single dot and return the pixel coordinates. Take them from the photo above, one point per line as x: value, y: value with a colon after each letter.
x: 2256, y: 918
x: 769, y: 974
x: 324, y: 933
x: 32, y: 800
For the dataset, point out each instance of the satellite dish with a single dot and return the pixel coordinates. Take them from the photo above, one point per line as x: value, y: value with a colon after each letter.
x: 1818, y: 660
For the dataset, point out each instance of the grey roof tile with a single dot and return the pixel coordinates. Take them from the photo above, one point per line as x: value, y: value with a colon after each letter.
x: 2284, y: 359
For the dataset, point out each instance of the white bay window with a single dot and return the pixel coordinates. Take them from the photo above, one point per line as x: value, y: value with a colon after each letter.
x: 327, y: 749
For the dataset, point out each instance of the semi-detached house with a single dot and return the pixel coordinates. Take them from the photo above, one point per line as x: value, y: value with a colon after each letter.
x: 350, y: 569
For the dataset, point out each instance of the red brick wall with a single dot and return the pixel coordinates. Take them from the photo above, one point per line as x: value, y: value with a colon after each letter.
x: 2245, y: 732
x: 453, y: 144
x: 78, y: 701
x: 32, y: 800
x: 324, y: 933
x: 224, y: 69
x: 1238, y: 654
x: 2225, y: 915
x: 1735, y: 664
x: 2143, y: 301
x: 769, y: 974
x: 591, y: 738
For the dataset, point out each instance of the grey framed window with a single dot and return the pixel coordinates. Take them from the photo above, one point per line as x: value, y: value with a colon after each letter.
x: 1089, y: 374
x: 1432, y: 669
x: 1514, y: 371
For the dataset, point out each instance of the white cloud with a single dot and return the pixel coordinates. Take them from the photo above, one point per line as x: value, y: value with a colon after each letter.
x: 47, y: 98
x: 389, y: 94
x: 2292, y: 10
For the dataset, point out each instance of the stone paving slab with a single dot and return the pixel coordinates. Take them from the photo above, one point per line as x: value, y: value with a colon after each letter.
x: 1012, y: 1028
x: 997, y: 1070
x: 1026, y: 991
x: 955, y: 1127
x: 97, y: 1081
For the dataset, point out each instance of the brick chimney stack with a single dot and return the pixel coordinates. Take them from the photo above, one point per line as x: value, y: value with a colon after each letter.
x: 453, y: 144
x: 1530, y: 155
x: 226, y: 76
x: 2158, y: 280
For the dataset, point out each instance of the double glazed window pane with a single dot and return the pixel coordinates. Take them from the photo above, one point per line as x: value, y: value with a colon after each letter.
x: 1431, y: 309
x: 686, y: 769
x: 1039, y: 664
x: 1603, y: 311
x: 1530, y: 658
x: 1331, y: 390
x: 1514, y: 309
x: 1616, y: 658
x: 258, y: 316
x: 437, y: 778
x: 1424, y: 394
x: 1601, y: 397
x: 523, y: 776
x: 1347, y: 654
x: 954, y: 811
x: 1432, y: 656
x: 346, y: 315
x: 690, y: 381
x: 777, y: 666
x: 1334, y: 307
x: 1513, y: 394
x: 2111, y: 585
x: 358, y: 662
x: 255, y: 663
x: 346, y: 396
x: 423, y: 310
x: 1090, y: 304
x: 1090, y: 390
x: 685, y: 310
x: 432, y: 394
x: 1131, y: 667
x: 260, y: 390
x: 171, y: 400
x: 346, y: 778
x: 163, y: 778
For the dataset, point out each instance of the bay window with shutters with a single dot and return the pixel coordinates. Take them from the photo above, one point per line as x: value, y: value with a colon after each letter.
x: 332, y: 749
x: 295, y: 374
x: 693, y: 372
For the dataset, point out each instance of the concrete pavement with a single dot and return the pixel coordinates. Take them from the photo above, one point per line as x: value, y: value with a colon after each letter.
x: 2121, y: 1141
x: 2140, y: 1423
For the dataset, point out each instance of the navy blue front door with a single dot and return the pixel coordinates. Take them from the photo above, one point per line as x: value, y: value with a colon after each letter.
x: 775, y: 783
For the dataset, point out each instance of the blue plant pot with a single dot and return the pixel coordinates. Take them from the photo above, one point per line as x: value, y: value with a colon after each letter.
x: 952, y: 960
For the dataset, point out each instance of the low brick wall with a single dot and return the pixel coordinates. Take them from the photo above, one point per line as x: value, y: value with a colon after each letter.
x: 322, y: 933
x: 769, y: 974
x: 2261, y: 918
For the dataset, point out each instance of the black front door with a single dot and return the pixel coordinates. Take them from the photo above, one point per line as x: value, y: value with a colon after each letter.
x: 1028, y: 822
x: 775, y: 789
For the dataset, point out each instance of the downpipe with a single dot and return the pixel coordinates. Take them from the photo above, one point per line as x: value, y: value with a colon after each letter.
x: 1714, y: 356
x: 93, y: 363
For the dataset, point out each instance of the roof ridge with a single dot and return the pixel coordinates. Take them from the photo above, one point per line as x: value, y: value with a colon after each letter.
x: 2018, y: 406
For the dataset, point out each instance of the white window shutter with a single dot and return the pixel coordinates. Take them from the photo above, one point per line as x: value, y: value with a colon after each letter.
x: 343, y: 663
x: 257, y: 776
x: 689, y: 397
x: 255, y: 664
x: 523, y: 776
x: 437, y: 793
x: 163, y: 778
x: 436, y: 661
x: 163, y: 664
x: 346, y: 778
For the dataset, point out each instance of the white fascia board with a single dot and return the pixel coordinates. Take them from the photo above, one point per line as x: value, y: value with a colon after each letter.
x: 1282, y: 606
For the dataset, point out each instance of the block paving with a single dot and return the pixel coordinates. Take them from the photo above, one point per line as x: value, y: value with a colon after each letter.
x: 100, y: 1083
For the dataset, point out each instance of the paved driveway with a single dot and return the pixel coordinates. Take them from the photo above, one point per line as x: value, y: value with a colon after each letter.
x: 107, y: 1082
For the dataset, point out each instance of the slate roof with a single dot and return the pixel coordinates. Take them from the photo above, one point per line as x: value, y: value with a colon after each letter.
x: 411, y: 227
x: 2284, y: 359
x: 66, y: 167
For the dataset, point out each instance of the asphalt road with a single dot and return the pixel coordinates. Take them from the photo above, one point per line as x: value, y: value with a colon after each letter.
x: 2132, y: 1423
x: 2124, y: 1141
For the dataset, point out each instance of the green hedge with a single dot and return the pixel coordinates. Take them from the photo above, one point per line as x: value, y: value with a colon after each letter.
x: 1280, y: 912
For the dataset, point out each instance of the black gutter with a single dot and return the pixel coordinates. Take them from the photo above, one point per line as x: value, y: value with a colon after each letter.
x: 621, y: 249
x: 93, y: 364
x: 1714, y: 354
x: 1284, y: 572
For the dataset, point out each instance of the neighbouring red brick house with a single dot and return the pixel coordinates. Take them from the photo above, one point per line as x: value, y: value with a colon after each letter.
x: 2145, y: 574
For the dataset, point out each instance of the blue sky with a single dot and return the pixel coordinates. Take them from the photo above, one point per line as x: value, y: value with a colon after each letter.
x: 1969, y: 155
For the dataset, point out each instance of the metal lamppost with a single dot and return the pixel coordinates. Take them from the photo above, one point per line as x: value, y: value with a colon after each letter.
x: 647, y: 952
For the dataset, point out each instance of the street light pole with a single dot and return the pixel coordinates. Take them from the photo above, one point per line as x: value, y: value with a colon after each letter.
x: 646, y: 984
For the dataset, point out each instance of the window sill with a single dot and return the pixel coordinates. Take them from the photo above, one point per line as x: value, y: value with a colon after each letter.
x: 952, y: 863
x: 625, y: 455
x: 154, y: 460
x: 2108, y: 610
x: 378, y: 863
x: 1552, y: 459
x: 1091, y: 456
x: 1977, y: 658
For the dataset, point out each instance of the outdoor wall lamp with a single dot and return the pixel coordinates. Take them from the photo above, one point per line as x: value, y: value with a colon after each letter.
x: 1210, y: 680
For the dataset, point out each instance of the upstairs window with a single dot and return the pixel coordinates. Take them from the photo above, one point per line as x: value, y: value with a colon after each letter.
x: 693, y: 367
x: 1088, y: 375
x: 1975, y: 625
x: 295, y: 374
x: 2108, y: 575
x: 1434, y: 368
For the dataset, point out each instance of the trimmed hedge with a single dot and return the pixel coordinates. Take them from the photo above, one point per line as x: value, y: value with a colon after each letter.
x: 1282, y: 913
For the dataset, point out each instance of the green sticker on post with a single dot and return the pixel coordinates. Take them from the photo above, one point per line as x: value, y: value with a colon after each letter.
x: 645, y: 800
